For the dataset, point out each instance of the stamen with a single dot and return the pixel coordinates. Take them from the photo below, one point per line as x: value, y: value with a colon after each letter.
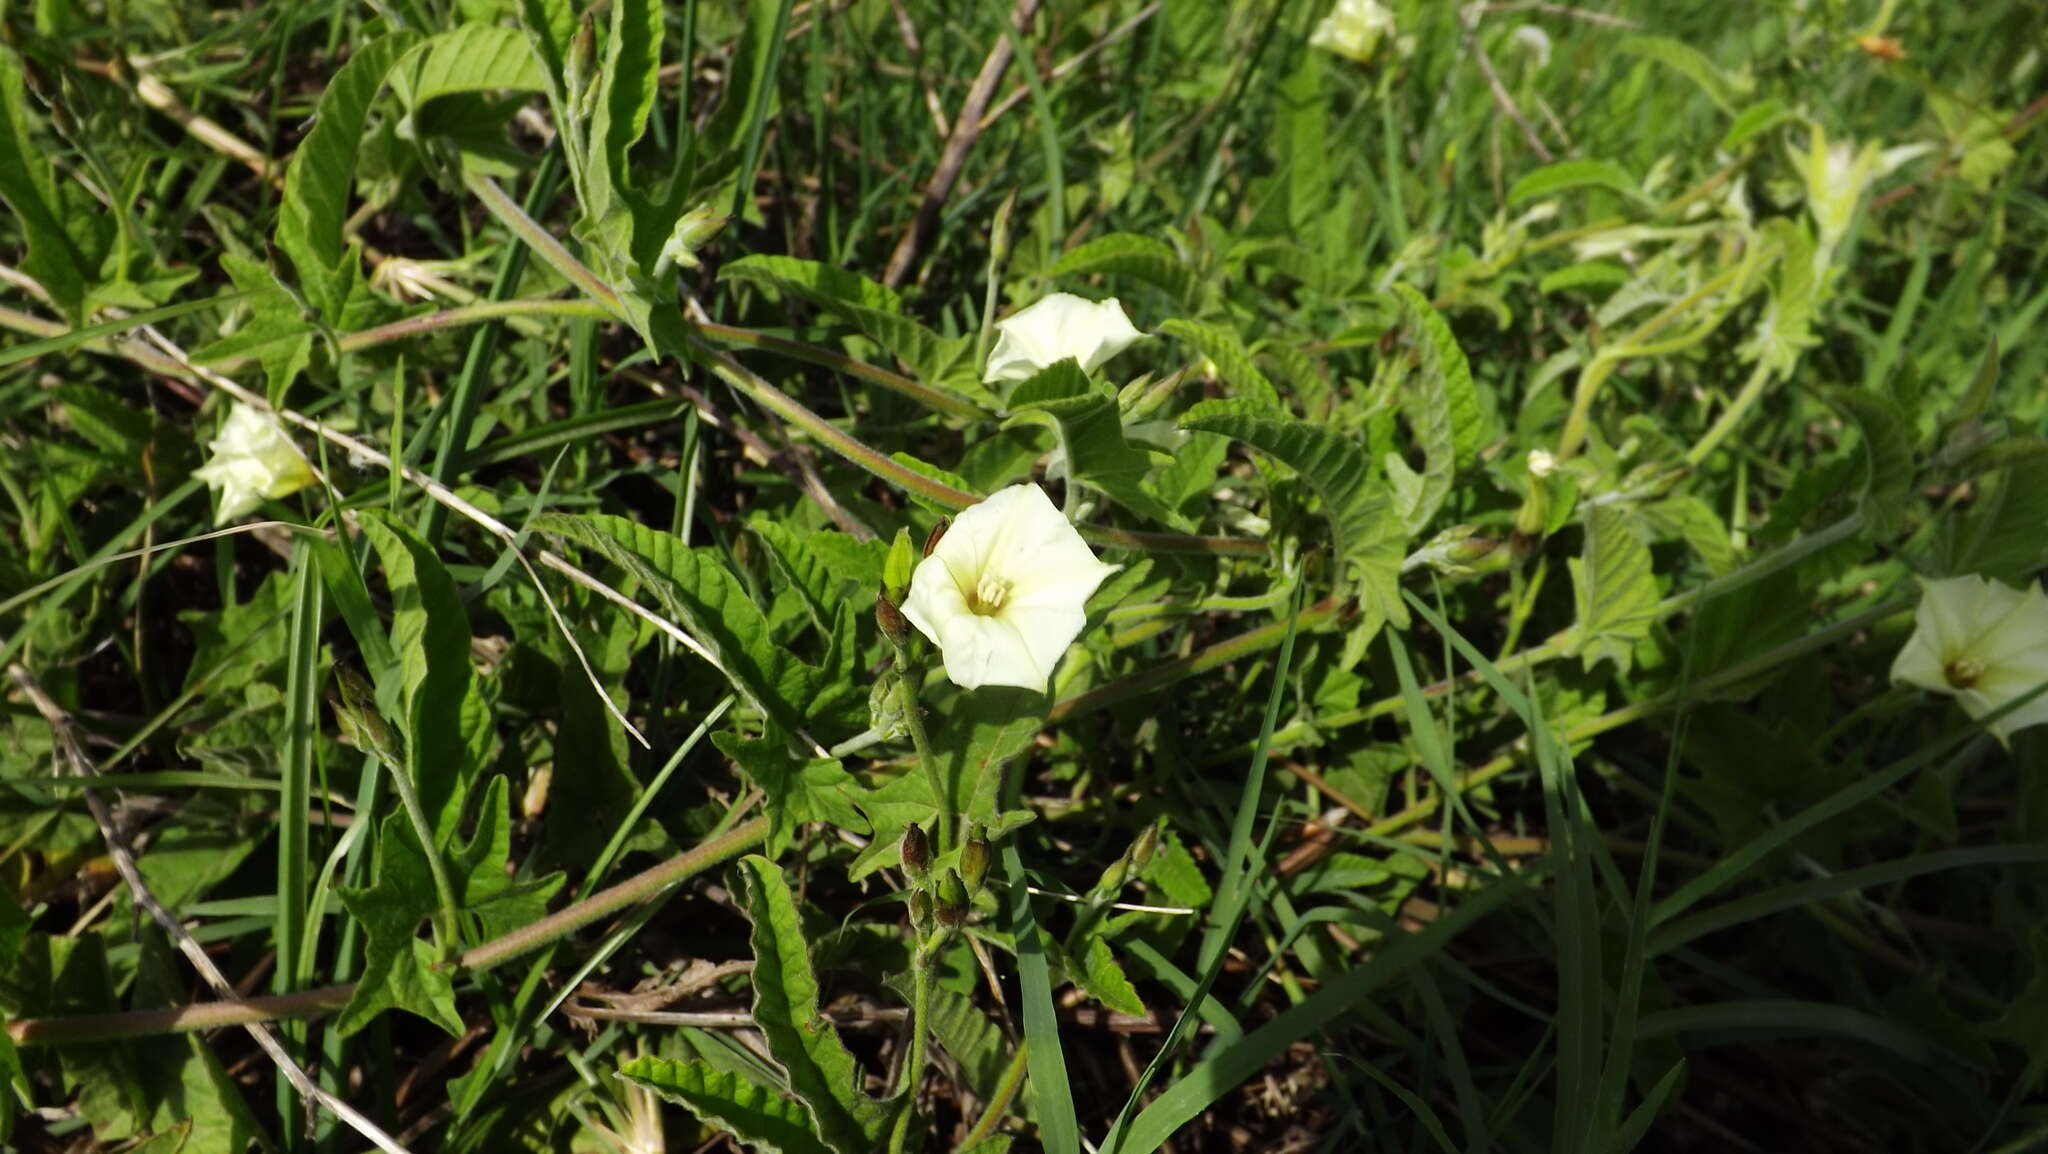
x: 990, y: 592
x: 1963, y: 672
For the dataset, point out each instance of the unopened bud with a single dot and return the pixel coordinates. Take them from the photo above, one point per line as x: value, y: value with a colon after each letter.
x: 890, y: 618
x: 931, y: 539
x: 974, y: 859
x: 692, y: 231
x: 952, y: 904
x: 917, y: 853
x: 1146, y: 845
x: 897, y: 566
x: 921, y: 912
x: 1112, y: 879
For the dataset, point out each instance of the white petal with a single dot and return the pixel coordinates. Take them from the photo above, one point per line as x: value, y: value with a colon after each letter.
x: 982, y: 651
x: 1060, y: 327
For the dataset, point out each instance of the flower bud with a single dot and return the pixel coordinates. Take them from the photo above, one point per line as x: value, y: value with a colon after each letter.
x: 931, y: 539
x: 1113, y: 878
x: 693, y: 230
x: 952, y: 904
x: 897, y: 567
x: 974, y: 859
x: 890, y: 618
x: 921, y: 912
x: 917, y: 853
x: 1146, y: 845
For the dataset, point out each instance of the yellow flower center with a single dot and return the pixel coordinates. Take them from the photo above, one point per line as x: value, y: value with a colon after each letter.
x: 988, y: 595
x: 1963, y: 672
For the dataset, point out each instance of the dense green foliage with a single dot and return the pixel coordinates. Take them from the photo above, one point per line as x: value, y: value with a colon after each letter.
x: 1487, y: 743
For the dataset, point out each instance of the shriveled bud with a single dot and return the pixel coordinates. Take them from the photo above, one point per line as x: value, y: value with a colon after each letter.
x: 917, y: 853
x: 890, y: 618
x: 974, y: 859
x: 931, y: 539
x: 921, y: 912
x: 952, y: 904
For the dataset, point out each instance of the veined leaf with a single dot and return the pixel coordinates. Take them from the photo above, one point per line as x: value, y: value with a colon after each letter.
x: 1570, y: 174
x: 1887, y: 452
x: 30, y: 189
x: 1444, y: 412
x: 625, y: 97
x: 275, y: 334
x: 966, y: 1032
x: 755, y: 1114
x: 694, y: 586
x: 933, y: 472
x: 821, y: 1070
x: 1366, y: 531
x: 1139, y: 257
x: 1104, y: 979
x: 875, y: 311
x: 749, y: 82
x: 798, y: 791
x: 1233, y: 363
x: 1689, y: 62
x: 1615, y: 589
x: 447, y: 724
x: 322, y: 169
x: 1091, y: 434
x: 469, y: 58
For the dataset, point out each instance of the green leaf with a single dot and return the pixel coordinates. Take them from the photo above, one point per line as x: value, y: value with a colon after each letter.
x: 276, y: 334
x: 483, y: 884
x: 933, y: 472
x: 1139, y: 257
x: 318, y: 181
x: 1104, y: 979
x: 874, y: 310
x: 1091, y: 434
x: 967, y: 1033
x: 398, y: 965
x: 447, y: 723
x: 625, y: 97
x: 1691, y: 520
x: 1615, y: 590
x: 1785, y: 331
x: 729, y: 1101
x: 1760, y: 117
x: 1887, y: 453
x: 750, y: 82
x: 1570, y: 174
x: 1233, y: 362
x: 1366, y: 531
x: 979, y: 732
x: 694, y: 587
x: 1444, y: 412
x: 469, y: 58
x: 821, y: 1070
x: 29, y: 187
x: 799, y: 790
x: 1689, y: 62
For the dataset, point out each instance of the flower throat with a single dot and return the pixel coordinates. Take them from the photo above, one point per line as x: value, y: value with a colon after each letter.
x: 988, y: 596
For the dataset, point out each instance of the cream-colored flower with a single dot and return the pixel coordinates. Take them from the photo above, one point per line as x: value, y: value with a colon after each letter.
x: 1534, y: 41
x: 1984, y: 642
x: 252, y: 461
x: 1002, y: 594
x: 1060, y: 327
x: 1354, y: 28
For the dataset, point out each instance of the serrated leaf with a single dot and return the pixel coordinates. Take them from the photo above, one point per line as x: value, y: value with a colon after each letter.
x: 1367, y: 532
x: 1569, y: 174
x: 27, y: 184
x: 696, y: 589
x: 468, y: 58
x: 966, y: 1032
x: 318, y: 181
x: 1444, y: 411
x: 1091, y: 434
x: 1689, y: 62
x: 1689, y: 519
x: 1233, y: 362
x: 933, y: 472
x: 447, y: 724
x: 1614, y: 588
x: 625, y: 96
x: 822, y: 1072
x: 1139, y: 257
x: 976, y: 735
x: 1887, y: 449
x: 874, y: 310
x: 1104, y: 979
x: 798, y: 790
x: 728, y: 1100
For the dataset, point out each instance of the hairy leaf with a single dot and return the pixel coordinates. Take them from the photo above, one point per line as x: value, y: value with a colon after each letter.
x: 317, y: 182
x: 1233, y: 363
x: 757, y: 1115
x: 1139, y: 257
x: 1366, y: 531
x: 1091, y: 434
x: 1444, y: 411
x: 29, y: 187
x: 470, y: 58
x: 1615, y: 589
x: 821, y: 1070
x: 1887, y: 452
x: 1104, y: 979
x: 694, y: 586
